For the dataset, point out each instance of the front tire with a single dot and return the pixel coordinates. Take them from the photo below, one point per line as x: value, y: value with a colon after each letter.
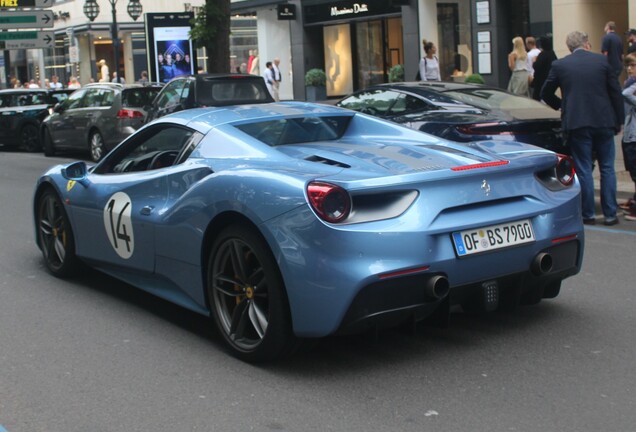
x: 97, y: 147
x: 29, y: 138
x: 247, y: 296
x: 49, y: 147
x: 55, y: 236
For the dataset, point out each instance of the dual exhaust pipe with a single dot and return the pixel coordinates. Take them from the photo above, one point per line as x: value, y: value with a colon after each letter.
x: 438, y: 287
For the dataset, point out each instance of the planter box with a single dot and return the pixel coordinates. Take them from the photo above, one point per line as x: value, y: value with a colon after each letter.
x: 315, y: 94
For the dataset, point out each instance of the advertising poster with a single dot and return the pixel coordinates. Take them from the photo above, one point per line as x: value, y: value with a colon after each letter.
x: 170, y: 50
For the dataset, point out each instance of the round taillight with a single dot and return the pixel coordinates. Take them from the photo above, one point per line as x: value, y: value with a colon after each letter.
x: 565, y: 170
x: 330, y: 202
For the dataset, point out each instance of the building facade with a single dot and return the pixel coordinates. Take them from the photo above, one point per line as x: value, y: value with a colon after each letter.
x: 356, y: 42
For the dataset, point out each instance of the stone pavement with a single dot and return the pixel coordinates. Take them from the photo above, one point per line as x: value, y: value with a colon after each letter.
x: 625, y: 185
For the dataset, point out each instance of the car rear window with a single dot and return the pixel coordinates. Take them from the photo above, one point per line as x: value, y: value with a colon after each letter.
x: 297, y: 130
x: 139, y: 97
x: 231, y: 91
x: 25, y: 99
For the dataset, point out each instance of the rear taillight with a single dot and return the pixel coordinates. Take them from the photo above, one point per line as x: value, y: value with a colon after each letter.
x: 330, y: 202
x: 129, y: 114
x: 565, y: 170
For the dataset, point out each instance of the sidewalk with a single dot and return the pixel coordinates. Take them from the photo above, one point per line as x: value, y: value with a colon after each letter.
x: 625, y: 185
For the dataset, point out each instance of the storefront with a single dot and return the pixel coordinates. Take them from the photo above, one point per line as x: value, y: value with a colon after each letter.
x: 359, y: 42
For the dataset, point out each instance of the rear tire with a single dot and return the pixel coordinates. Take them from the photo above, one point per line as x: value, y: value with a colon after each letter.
x: 49, y: 147
x: 247, y: 296
x: 29, y: 138
x: 55, y: 236
x: 96, y: 146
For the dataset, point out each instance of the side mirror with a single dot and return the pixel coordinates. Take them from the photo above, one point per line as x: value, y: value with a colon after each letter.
x: 76, y: 171
x: 58, y: 108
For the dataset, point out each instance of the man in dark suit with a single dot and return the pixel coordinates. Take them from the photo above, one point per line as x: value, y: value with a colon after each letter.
x: 592, y: 113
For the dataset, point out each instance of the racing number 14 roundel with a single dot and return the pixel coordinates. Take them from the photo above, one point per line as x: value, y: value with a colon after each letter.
x: 118, y: 224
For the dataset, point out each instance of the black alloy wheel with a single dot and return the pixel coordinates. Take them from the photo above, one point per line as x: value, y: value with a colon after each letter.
x: 29, y: 138
x: 49, y: 147
x: 55, y: 236
x: 247, y: 296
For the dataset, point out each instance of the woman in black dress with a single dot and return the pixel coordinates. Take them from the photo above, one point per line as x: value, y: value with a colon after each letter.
x: 542, y: 65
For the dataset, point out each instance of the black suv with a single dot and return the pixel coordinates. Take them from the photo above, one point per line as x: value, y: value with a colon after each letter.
x: 97, y: 117
x: 22, y: 111
x: 203, y: 90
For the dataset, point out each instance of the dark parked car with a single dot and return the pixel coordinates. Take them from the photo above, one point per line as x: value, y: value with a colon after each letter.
x: 97, y: 117
x: 462, y: 112
x: 207, y: 90
x: 22, y: 111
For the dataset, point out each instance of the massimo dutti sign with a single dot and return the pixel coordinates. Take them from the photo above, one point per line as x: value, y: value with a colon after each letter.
x: 350, y: 9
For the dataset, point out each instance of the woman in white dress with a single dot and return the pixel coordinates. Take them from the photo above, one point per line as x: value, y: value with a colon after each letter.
x: 518, y: 64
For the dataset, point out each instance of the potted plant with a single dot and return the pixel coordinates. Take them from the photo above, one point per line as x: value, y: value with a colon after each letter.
x: 475, y: 79
x: 396, y: 73
x: 315, y: 85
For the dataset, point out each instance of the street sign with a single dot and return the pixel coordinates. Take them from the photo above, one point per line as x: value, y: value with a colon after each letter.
x: 73, y: 54
x: 28, y: 39
x: 23, y: 20
x: 26, y: 3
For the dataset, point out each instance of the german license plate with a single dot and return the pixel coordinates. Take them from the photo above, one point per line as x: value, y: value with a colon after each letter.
x: 493, y: 237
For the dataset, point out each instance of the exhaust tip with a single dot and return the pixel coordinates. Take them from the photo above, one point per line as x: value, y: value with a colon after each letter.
x: 437, y: 287
x: 542, y: 264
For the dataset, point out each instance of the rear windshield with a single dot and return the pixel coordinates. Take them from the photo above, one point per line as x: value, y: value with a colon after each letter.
x: 493, y: 99
x: 232, y: 91
x: 297, y: 130
x: 138, y: 97
x: 25, y: 99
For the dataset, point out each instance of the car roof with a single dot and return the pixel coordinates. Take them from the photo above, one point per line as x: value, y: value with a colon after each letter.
x: 25, y: 90
x: 434, y: 86
x: 218, y: 76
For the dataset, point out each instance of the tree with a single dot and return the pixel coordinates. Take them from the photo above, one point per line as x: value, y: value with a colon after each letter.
x: 211, y: 29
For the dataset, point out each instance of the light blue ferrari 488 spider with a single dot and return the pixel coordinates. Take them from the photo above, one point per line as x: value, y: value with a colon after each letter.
x: 291, y: 220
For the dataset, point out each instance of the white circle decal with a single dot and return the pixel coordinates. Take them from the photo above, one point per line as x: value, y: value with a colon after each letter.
x: 118, y: 224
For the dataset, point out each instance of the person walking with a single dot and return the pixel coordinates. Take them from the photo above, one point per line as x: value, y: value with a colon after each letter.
x: 277, y: 79
x: 268, y: 76
x: 518, y: 64
x: 592, y: 113
x: 429, y: 64
x: 629, y: 133
x: 612, y: 48
x: 542, y: 66
x: 631, y: 41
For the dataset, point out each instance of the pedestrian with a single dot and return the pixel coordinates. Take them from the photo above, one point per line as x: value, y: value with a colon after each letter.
x: 55, y: 83
x: 518, y: 64
x: 612, y: 48
x: 143, y: 80
x: 542, y: 66
x: 631, y: 41
x: 268, y: 76
x: 592, y: 113
x: 533, y: 52
x: 277, y: 79
x: 628, y: 143
x: 429, y: 64
x: 33, y: 84
x: 120, y: 80
x: 74, y: 83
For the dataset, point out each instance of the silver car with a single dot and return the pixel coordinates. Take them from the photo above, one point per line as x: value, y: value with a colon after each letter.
x: 96, y: 118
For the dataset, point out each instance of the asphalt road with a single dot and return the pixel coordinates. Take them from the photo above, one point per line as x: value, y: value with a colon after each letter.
x: 93, y: 354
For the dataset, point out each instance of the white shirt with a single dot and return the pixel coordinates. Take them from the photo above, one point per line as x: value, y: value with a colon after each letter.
x: 532, y: 55
x: 429, y: 69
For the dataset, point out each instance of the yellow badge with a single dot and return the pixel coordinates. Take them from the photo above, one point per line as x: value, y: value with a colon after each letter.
x: 70, y: 185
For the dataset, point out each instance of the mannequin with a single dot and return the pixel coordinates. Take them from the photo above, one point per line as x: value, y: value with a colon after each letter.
x: 104, y: 73
x: 254, y: 70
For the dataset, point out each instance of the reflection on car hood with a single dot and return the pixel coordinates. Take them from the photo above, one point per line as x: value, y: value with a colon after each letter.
x: 473, y: 115
x: 395, y: 158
